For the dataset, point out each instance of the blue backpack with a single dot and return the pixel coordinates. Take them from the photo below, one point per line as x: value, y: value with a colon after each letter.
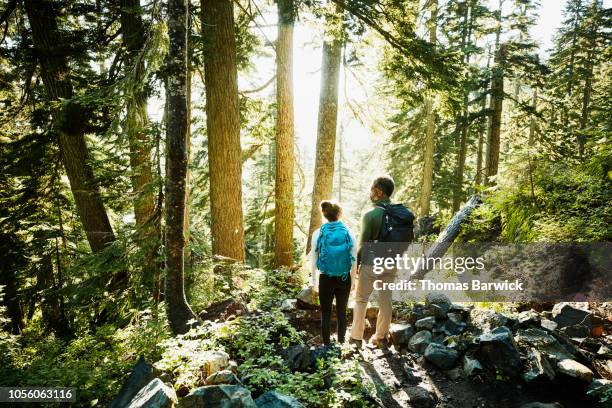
x: 334, y: 247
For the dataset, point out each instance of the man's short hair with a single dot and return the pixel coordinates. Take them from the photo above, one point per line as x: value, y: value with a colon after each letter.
x: 384, y: 184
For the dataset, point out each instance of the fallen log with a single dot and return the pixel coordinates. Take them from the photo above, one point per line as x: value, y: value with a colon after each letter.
x: 446, y: 237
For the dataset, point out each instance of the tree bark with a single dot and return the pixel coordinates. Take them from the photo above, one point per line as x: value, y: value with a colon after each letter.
x: 136, y: 123
x: 223, y: 126
x: 427, y: 186
x: 496, y: 107
x: 69, y: 122
x: 284, y: 211
x: 326, y: 132
x: 179, y: 312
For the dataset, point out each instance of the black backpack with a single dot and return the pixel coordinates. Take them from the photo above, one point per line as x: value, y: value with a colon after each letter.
x: 397, y: 224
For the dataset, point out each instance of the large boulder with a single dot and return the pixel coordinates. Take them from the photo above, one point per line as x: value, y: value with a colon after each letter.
x: 401, y: 333
x: 498, y: 350
x: 218, y: 396
x: 419, y: 342
x: 570, y: 314
x: 441, y: 356
x: 274, y: 399
x: 574, y: 369
x: 155, y: 394
x: 141, y: 375
x: 542, y: 341
x: 538, y: 367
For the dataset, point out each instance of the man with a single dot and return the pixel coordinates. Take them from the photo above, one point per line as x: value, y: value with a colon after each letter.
x: 371, y: 224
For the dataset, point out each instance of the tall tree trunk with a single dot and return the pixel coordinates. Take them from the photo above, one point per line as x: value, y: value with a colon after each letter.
x: 179, y: 312
x: 586, y: 101
x: 326, y: 131
x: 51, y: 304
x: 496, y: 107
x: 427, y: 186
x: 532, y: 120
x: 483, y: 126
x: 133, y: 32
x: 223, y: 126
x: 340, y: 161
x: 69, y: 122
x: 284, y: 212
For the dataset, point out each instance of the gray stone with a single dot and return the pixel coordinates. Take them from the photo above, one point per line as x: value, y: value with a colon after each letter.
x: 471, y: 366
x: 455, y: 317
x: 419, y: 342
x: 215, y: 360
x: 487, y: 320
x: 420, y: 397
x: 274, y: 399
x: 289, y: 305
x: 307, y: 299
x: 538, y: 367
x: 599, y: 387
x: 298, y: 357
x: 141, y: 375
x: 401, y: 333
x: 542, y: 341
x: 548, y: 324
x: 570, y: 314
x: 438, y: 304
x: 155, y: 394
x: 574, y: 369
x: 222, y: 377
x: 426, y: 323
x: 441, y: 356
x: 218, y: 396
x: 529, y: 318
x: 452, y: 328
x: 576, y: 331
x: 497, y: 349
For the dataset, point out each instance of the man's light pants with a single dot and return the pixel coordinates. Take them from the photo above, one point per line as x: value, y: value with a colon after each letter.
x: 365, y: 285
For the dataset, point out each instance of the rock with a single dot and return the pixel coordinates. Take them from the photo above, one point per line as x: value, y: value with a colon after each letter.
x: 420, y: 397
x: 155, y: 394
x: 289, y: 305
x: 215, y: 360
x: 542, y: 405
x: 419, y: 342
x: 297, y: 358
x: 497, y: 349
x: 441, y: 356
x: 486, y: 320
x: 599, y: 387
x: 577, y: 331
x: 427, y: 323
x: 401, y: 333
x: 218, y: 396
x: 455, y: 317
x: 529, y: 318
x: 574, y: 369
x: 570, y: 314
x: 438, y: 304
x: 141, y: 375
x: 538, y: 367
x: 471, y: 366
x: 222, y: 377
x: 453, y: 328
x: 548, y: 324
x: 225, y: 309
x: 322, y: 353
x: 542, y: 341
x: 274, y: 399
x: 454, y: 374
x: 307, y: 299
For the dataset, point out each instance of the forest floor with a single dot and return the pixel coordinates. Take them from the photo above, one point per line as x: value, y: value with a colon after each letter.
x: 396, y: 374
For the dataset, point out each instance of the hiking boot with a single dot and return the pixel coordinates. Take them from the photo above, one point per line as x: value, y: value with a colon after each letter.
x: 357, y: 343
x: 380, y: 343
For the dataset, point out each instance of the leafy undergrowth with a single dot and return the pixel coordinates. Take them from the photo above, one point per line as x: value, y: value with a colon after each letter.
x: 97, y: 364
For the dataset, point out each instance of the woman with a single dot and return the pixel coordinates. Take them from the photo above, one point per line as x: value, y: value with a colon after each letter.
x: 333, y: 255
